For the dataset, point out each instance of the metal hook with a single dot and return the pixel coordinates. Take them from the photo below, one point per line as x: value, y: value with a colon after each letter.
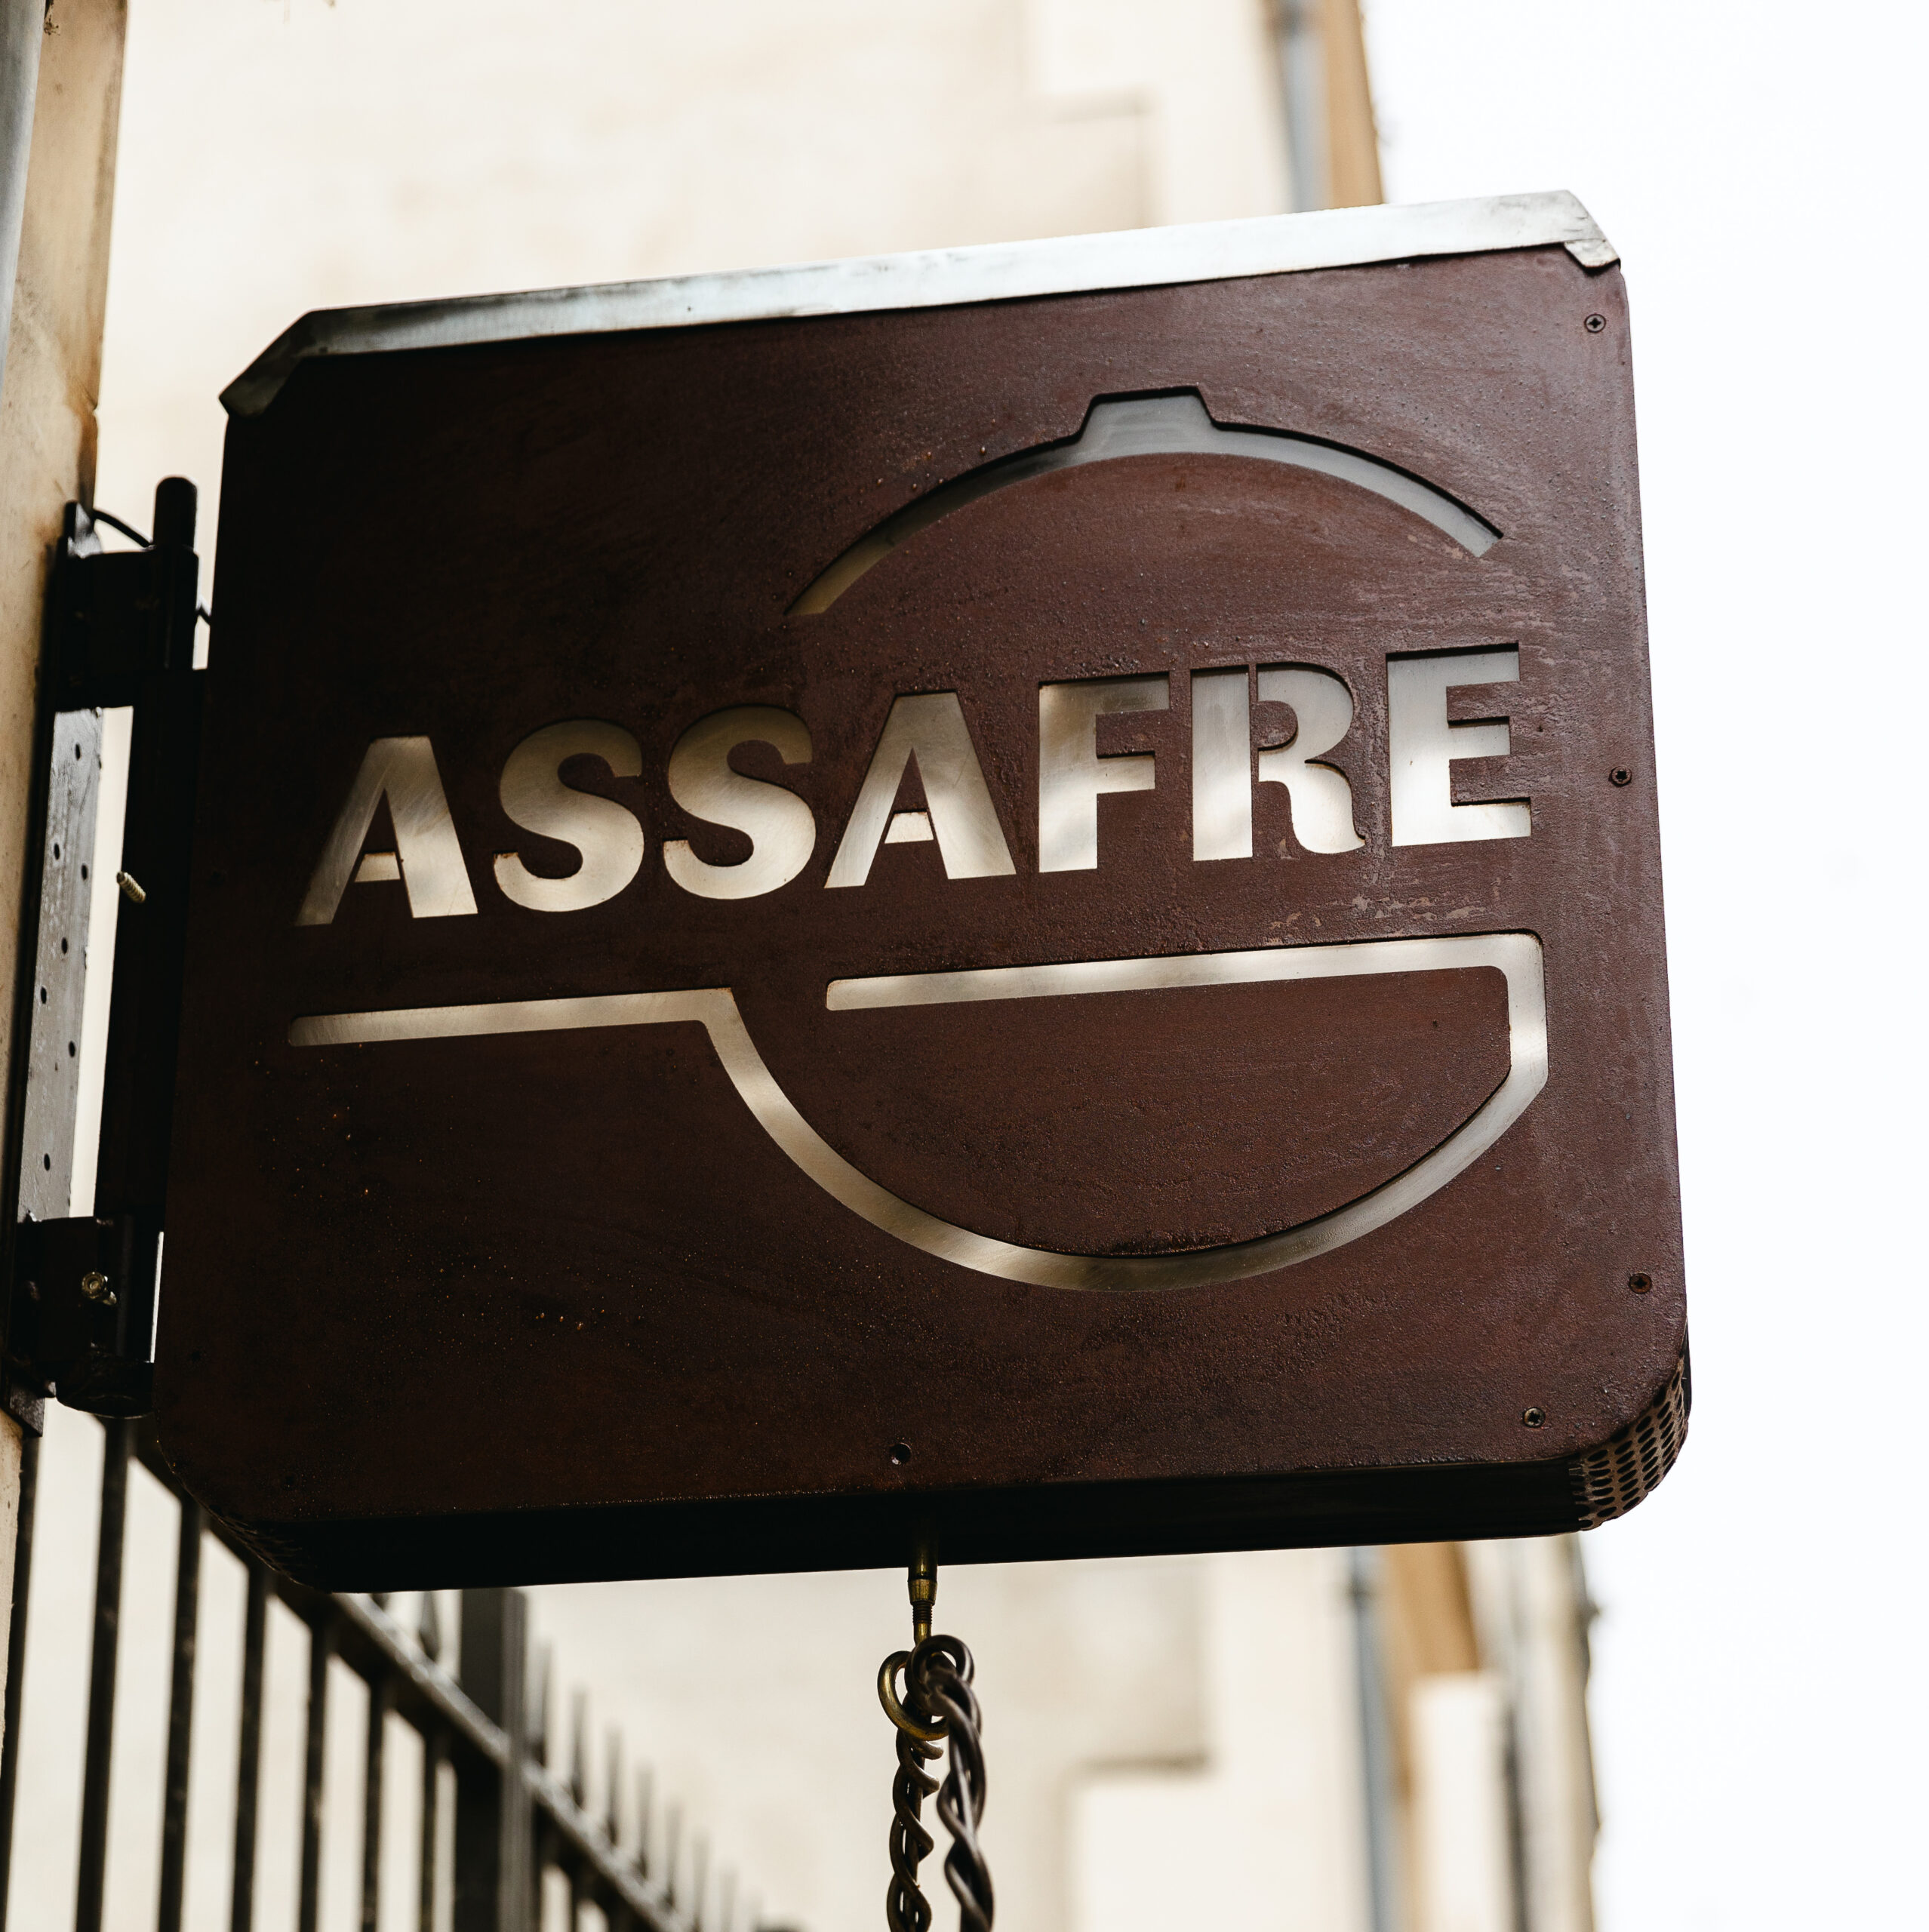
x: 924, y: 1733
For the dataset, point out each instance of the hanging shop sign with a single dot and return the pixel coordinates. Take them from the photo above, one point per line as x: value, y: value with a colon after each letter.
x: 1009, y: 895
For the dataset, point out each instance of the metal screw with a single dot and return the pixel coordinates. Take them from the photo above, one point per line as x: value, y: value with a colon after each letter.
x: 93, y: 1285
x: 900, y: 1453
x: 1620, y: 775
x: 1533, y: 1418
x: 1641, y: 1284
x: 1594, y: 325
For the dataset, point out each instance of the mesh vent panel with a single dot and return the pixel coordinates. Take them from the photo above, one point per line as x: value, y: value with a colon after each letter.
x: 1609, y: 1481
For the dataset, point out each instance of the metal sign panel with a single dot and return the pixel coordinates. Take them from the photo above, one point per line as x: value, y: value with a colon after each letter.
x: 1028, y: 917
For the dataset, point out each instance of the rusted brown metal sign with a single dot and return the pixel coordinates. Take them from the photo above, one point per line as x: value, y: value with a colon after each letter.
x: 1012, y: 894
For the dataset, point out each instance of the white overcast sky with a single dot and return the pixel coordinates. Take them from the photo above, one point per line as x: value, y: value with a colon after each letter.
x: 1759, y: 1694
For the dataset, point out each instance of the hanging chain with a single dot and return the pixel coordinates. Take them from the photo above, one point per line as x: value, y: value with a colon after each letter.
x: 939, y: 1678
x: 906, y: 1908
x: 939, y: 1706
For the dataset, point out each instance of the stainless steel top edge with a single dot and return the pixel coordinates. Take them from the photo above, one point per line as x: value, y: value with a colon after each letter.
x: 944, y: 278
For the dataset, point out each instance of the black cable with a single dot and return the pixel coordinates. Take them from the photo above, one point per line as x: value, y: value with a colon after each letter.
x: 126, y: 529
x: 113, y: 522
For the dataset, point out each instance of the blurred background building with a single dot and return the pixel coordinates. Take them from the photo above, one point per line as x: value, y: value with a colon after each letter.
x: 1326, y: 1741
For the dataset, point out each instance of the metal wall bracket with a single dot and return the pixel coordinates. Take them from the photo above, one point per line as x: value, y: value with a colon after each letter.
x: 82, y: 1313
x: 120, y: 630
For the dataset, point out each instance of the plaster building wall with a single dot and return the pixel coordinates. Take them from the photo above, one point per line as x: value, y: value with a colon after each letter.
x: 59, y: 98
x: 287, y: 154
x: 1170, y: 1742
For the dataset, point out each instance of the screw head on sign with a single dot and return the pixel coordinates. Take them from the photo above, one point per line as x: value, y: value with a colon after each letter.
x: 900, y: 1454
x: 1594, y: 325
x: 1533, y: 1418
x: 1641, y: 1284
x: 1620, y: 775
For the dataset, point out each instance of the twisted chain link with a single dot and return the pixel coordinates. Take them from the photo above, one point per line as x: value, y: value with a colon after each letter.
x: 906, y: 1908
x: 939, y: 1704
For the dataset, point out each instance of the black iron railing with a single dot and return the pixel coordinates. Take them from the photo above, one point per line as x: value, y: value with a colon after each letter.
x: 515, y: 1817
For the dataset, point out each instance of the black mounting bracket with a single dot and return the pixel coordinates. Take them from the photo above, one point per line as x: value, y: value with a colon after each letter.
x: 120, y: 630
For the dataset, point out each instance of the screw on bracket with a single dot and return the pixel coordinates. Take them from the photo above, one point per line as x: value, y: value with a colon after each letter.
x: 93, y: 1285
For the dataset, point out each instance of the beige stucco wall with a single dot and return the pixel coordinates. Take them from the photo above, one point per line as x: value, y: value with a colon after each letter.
x: 47, y: 442
x: 47, y: 434
x: 287, y: 154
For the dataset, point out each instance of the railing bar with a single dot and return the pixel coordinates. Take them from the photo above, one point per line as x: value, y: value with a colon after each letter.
x: 247, y: 1769
x: 432, y: 1837
x: 91, y: 1880
x: 613, y: 1911
x: 371, y: 1805
x: 368, y: 1639
x: 320, y: 1644
x: 672, y: 1853
x: 180, y: 1718
x: 539, y: 1728
x: 371, y: 1642
x: 10, y: 1745
x: 579, y: 1791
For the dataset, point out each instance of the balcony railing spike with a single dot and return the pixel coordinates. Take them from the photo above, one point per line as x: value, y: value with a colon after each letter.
x: 645, y: 1794
x: 180, y: 1718
x: 429, y: 1843
x: 321, y: 1647
x: 486, y: 1748
x: 373, y: 1776
x: 247, y: 1769
x: 539, y: 1719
